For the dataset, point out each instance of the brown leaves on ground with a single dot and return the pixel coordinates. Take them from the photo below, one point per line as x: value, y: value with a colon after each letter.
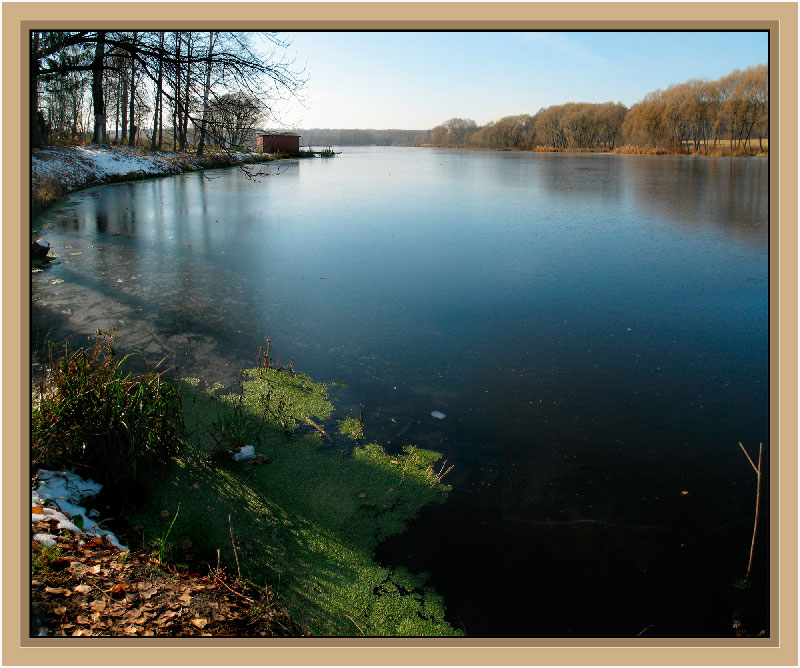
x: 96, y: 590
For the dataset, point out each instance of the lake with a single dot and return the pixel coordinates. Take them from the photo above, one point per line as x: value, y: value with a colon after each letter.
x: 594, y: 328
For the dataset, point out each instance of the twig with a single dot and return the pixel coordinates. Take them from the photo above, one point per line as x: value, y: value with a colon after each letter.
x: 354, y: 622
x: 438, y: 477
x: 318, y: 428
x: 233, y: 591
x: 233, y: 543
x: 757, y: 469
x: 649, y: 626
x: 748, y: 458
x: 106, y: 594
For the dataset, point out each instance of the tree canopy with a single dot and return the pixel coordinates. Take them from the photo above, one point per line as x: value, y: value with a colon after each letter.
x: 182, y: 86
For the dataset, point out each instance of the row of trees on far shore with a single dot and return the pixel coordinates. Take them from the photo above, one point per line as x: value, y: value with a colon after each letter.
x: 728, y: 114
x: 188, y: 90
x: 700, y: 114
x: 156, y: 89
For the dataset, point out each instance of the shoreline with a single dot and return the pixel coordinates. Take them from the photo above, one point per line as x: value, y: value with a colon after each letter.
x: 619, y: 150
x: 58, y: 171
x: 307, y: 522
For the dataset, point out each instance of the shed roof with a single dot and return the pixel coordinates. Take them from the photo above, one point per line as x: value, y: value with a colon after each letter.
x: 277, y: 134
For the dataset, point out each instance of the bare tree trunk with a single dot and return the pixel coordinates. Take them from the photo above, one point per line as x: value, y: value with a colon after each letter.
x: 206, y: 89
x: 124, y: 86
x: 132, y: 101
x: 159, y: 83
x: 116, y: 119
x: 36, y: 129
x: 176, y: 109
x: 98, y: 103
x: 185, y: 126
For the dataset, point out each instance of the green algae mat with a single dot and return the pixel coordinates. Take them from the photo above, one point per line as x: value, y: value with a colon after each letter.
x: 305, y: 519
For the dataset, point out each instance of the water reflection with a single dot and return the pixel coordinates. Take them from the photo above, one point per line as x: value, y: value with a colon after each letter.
x: 594, y: 327
x: 728, y: 195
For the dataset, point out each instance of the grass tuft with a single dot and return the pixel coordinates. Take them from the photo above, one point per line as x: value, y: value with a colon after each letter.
x: 91, y: 415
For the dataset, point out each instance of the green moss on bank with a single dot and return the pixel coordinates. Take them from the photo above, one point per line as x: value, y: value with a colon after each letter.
x: 305, y: 521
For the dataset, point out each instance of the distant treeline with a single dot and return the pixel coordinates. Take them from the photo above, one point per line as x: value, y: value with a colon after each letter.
x: 328, y: 137
x: 706, y: 116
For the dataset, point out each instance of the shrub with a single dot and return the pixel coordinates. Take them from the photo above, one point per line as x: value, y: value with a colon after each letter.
x: 90, y: 414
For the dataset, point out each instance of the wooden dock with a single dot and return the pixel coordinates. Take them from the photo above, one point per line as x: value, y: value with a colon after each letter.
x: 326, y: 152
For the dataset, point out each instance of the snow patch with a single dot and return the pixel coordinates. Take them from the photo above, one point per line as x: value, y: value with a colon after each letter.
x: 64, y: 490
x: 247, y: 452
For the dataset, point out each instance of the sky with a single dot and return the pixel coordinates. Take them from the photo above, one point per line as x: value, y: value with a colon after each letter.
x: 417, y: 80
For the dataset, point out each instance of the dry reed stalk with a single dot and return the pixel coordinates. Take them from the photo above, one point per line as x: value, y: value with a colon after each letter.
x: 757, y: 469
x: 233, y: 543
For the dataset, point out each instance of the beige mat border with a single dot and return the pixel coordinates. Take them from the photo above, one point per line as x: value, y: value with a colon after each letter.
x: 779, y: 18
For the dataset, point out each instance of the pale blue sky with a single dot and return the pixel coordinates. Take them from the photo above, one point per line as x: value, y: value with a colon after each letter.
x: 415, y: 80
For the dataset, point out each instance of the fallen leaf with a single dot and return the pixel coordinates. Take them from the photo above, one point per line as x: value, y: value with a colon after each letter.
x: 60, y: 610
x: 82, y: 632
x: 82, y: 619
x: 361, y: 495
x: 37, y: 510
x: 200, y: 623
x: 99, y: 606
x: 82, y: 589
x: 164, y: 513
x: 117, y: 589
x: 57, y: 591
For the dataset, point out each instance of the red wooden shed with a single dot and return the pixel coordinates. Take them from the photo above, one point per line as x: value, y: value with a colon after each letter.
x: 278, y: 142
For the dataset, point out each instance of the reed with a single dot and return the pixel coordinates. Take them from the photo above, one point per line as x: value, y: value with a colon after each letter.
x: 89, y: 413
x: 757, y: 469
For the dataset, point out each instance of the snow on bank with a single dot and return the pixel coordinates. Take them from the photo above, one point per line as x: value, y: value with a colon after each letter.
x: 81, y: 166
x: 77, y: 167
x: 64, y: 490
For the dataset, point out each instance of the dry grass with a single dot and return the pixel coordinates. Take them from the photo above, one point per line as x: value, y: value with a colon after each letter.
x: 45, y: 191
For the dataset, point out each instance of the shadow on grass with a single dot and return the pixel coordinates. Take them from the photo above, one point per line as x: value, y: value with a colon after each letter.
x: 306, y: 521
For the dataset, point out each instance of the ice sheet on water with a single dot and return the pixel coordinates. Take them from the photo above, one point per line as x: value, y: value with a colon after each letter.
x: 438, y: 415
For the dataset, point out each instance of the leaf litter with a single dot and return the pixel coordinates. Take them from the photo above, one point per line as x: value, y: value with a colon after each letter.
x: 96, y: 589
